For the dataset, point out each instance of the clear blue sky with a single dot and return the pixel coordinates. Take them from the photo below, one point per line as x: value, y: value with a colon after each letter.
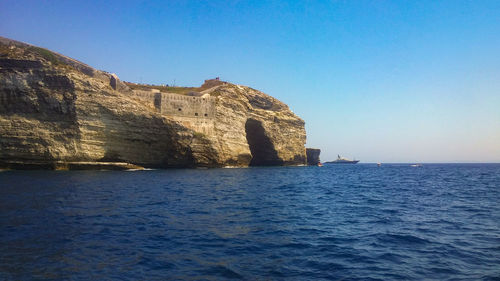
x: 382, y: 81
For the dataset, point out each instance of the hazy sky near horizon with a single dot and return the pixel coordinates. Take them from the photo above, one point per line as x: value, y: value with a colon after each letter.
x: 382, y: 81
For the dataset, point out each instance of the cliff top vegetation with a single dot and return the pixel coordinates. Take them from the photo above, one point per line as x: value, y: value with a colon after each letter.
x: 175, y: 89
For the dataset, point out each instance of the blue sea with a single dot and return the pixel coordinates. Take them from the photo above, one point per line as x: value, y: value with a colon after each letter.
x: 337, y: 222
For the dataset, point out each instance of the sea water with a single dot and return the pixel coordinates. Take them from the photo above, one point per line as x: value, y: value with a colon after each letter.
x: 337, y: 222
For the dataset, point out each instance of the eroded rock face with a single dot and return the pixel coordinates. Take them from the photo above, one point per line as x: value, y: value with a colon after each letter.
x: 53, y: 108
x: 253, y: 128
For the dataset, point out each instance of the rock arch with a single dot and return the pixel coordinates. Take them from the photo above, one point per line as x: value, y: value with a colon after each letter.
x: 261, y: 146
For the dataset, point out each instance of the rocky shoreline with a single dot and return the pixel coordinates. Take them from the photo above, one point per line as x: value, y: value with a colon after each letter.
x: 66, y: 166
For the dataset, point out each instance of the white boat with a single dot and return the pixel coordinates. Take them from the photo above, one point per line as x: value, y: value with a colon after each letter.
x: 342, y: 160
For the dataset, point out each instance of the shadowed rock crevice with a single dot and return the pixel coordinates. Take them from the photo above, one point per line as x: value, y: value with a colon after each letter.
x: 261, y: 147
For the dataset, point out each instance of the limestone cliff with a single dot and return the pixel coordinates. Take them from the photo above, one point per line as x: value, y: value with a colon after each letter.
x: 56, y: 109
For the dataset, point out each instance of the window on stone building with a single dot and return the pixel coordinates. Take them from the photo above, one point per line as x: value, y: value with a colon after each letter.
x: 206, y: 115
x: 180, y: 109
x: 196, y: 114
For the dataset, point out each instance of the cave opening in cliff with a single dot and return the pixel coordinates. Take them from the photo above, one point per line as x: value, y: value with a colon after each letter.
x: 261, y: 147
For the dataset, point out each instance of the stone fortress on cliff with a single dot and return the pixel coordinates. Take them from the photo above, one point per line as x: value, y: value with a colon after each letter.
x: 193, y: 110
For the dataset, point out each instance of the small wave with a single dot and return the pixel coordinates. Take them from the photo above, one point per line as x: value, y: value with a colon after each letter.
x: 490, y: 278
x: 444, y: 270
x: 392, y: 257
x: 296, y: 245
x: 222, y: 271
x: 142, y: 169
x: 402, y: 238
x: 337, y: 240
x: 323, y: 266
x: 155, y: 264
x: 312, y: 230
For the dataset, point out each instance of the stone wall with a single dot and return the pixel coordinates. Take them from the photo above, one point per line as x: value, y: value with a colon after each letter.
x: 187, y: 106
x: 149, y: 97
x: 194, y: 112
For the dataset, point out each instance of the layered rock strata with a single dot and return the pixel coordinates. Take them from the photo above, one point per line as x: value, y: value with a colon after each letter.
x: 54, y: 109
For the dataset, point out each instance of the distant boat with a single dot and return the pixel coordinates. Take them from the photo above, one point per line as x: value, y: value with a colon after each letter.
x: 415, y: 165
x: 379, y: 164
x: 342, y: 160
